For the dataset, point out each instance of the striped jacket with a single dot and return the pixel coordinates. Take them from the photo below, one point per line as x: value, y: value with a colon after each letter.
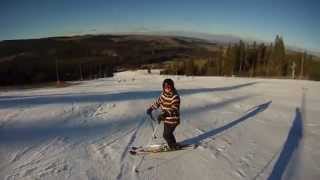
x: 169, y: 104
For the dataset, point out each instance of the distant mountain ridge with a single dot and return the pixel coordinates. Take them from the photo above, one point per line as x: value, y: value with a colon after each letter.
x: 224, y: 39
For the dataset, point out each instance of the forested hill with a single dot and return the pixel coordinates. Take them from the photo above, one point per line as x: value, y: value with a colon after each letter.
x: 94, y: 56
x: 89, y: 56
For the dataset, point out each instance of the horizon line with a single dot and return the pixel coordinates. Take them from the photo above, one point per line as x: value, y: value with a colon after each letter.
x: 174, y: 33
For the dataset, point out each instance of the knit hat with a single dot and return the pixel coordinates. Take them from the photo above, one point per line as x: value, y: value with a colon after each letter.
x: 169, y: 82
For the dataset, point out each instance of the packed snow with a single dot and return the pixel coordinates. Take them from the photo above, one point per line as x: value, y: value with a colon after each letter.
x: 247, y: 128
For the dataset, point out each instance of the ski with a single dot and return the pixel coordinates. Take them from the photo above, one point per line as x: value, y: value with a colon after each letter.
x: 158, y: 148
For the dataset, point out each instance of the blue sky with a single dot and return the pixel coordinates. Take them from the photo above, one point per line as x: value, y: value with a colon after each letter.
x: 297, y: 21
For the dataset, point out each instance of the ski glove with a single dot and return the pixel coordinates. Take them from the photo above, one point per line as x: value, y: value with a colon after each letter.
x: 149, y: 111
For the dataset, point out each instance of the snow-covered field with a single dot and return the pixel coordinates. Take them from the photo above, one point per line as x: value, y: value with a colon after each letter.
x: 248, y: 129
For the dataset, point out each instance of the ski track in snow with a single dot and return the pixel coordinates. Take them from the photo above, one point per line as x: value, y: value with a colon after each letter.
x: 40, y: 160
x: 246, y: 128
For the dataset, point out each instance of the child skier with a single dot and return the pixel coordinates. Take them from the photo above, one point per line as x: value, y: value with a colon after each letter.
x: 169, y: 103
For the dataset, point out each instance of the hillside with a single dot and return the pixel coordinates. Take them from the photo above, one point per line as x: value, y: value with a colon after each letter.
x: 34, y: 61
x: 89, y: 56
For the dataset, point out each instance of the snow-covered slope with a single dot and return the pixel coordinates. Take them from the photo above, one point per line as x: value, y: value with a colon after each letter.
x: 248, y: 129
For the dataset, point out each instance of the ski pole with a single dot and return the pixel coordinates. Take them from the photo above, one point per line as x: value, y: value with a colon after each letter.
x: 154, y: 136
x: 155, y: 131
x: 152, y: 126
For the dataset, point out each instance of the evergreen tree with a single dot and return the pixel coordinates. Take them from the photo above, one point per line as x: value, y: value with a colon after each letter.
x: 277, y: 60
x: 229, y: 61
x: 241, y: 56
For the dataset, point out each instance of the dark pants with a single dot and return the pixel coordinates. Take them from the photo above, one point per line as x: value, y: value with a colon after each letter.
x: 168, y: 134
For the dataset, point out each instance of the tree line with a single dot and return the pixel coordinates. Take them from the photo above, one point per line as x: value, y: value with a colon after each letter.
x: 90, y: 57
x: 250, y: 60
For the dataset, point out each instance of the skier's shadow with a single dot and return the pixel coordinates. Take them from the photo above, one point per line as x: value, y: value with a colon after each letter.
x: 290, y: 147
x: 200, y: 138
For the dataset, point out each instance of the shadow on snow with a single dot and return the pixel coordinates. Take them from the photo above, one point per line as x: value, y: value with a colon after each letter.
x: 19, y: 101
x: 198, y: 139
x: 33, y: 131
x: 290, y: 146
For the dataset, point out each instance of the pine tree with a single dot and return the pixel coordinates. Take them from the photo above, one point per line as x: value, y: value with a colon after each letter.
x: 277, y: 61
x: 229, y: 61
x: 242, y: 56
x: 261, y: 58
